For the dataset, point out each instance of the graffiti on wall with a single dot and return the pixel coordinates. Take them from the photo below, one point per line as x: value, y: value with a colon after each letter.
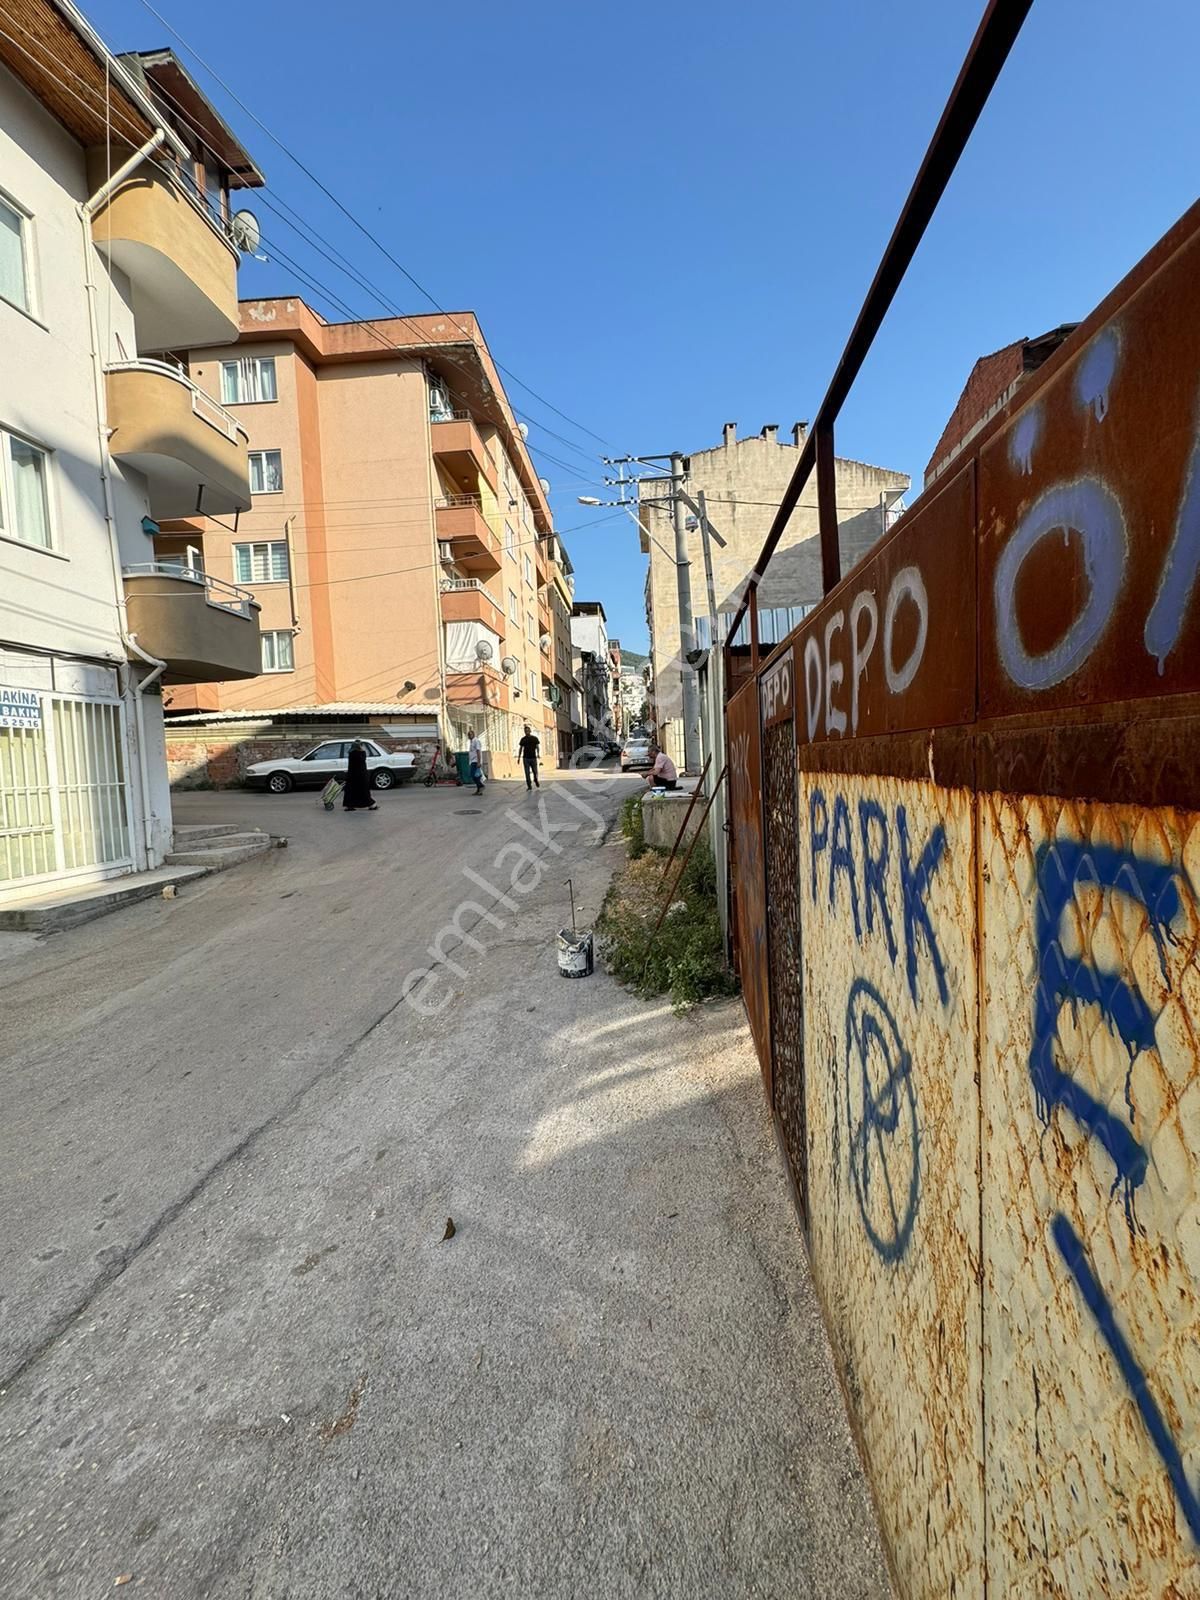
x: 1068, y: 977
x: 837, y: 660
x: 872, y: 871
x: 1091, y: 508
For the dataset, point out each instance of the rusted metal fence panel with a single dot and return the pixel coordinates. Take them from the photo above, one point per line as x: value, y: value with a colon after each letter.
x: 780, y: 837
x: 995, y: 726
x: 743, y: 741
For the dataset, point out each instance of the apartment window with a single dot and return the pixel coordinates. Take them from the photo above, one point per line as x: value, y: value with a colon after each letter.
x: 531, y: 627
x: 277, y: 651
x: 533, y: 685
x: 24, y: 491
x: 261, y: 563
x: 510, y: 541
x: 514, y: 609
x: 266, y: 472
x: 524, y: 512
x: 14, y: 256
x: 248, y: 381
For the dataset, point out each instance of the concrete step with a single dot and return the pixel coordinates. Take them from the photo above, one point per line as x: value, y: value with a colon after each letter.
x: 51, y: 910
x: 225, y: 851
x: 192, y: 833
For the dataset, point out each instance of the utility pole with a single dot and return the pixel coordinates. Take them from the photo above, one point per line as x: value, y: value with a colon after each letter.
x: 687, y: 635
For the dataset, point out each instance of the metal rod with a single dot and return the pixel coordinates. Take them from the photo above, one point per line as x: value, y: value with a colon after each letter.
x: 831, y: 560
x: 687, y: 637
x: 696, y: 792
x: 994, y: 39
x: 753, y: 628
x: 691, y: 847
x: 571, y: 892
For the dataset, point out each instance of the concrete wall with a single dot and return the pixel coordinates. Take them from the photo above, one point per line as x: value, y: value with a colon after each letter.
x: 969, y: 937
x: 218, y: 755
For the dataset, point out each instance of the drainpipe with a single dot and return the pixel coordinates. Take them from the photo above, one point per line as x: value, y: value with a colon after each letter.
x: 132, y: 691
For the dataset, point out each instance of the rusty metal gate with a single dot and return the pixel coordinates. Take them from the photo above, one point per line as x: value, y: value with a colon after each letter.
x: 780, y: 841
x: 980, y: 812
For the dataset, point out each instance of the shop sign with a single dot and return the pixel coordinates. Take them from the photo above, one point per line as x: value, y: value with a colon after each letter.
x: 20, y: 708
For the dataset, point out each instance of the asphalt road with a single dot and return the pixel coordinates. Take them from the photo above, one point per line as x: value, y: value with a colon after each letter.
x: 239, y: 1358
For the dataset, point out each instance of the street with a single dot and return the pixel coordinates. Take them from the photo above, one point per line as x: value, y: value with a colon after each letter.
x: 239, y: 1356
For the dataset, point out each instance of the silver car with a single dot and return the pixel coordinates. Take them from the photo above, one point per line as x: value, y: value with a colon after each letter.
x: 314, y: 769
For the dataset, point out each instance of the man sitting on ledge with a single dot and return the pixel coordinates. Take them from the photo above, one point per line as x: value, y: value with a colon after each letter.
x: 663, y: 774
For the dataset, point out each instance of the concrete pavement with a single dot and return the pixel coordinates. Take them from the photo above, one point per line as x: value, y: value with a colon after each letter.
x: 242, y: 1360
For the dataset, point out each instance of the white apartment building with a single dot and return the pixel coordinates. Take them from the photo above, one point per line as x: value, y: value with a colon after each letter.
x: 114, y: 251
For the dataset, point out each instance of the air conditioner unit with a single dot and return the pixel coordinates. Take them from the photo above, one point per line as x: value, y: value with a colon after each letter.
x: 445, y: 551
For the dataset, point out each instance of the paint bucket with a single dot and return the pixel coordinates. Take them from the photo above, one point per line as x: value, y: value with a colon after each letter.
x: 576, y: 954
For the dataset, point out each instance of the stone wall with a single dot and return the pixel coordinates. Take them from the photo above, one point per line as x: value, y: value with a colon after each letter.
x: 217, y: 756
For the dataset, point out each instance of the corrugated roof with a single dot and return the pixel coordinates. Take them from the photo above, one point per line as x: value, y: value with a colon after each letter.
x: 334, y: 708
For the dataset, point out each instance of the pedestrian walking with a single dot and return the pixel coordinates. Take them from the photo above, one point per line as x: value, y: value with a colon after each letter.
x: 528, y: 750
x: 357, y: 795
x: 475, y: 756
x: 664, y: 774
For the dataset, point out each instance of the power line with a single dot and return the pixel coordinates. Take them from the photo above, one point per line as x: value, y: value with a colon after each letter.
x: 350, y: 217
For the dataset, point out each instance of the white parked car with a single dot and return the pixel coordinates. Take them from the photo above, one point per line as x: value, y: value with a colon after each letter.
x: 325, y: 761
x: 636, y: 753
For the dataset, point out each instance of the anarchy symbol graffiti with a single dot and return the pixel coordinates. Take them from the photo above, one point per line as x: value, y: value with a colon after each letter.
x: 881, y: 1121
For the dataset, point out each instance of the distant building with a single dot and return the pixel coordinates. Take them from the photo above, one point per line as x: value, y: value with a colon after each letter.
x: 399, y: 542
x: 743, y: 481
x: 994, y: 380
x: 589, y: 639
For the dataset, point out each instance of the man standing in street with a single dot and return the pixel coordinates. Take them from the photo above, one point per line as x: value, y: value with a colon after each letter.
x: 528, y: 750
x: 475, y: 758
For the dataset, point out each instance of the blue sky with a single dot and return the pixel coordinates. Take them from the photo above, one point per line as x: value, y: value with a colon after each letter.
x: 666, y: 216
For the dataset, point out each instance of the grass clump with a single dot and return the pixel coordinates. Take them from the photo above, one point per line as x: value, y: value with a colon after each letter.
x: 631, y: 826
x: 686, y: 958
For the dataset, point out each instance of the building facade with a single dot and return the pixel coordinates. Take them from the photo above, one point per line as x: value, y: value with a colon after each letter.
x: 743, y: 481
x: 399, y: 542
x: 113, y: 252
x: 593, y: 668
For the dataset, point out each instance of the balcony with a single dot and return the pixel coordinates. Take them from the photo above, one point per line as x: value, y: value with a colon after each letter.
x: 177, y: 255
x: 456, y: 443
x: 466, y: 600
x: 191, y: 450
x: 460, y: 523
x: 206, y: 631
x: 478, y: 691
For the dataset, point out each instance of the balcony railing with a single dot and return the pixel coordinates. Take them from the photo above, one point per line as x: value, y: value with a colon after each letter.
x: 448, y: 502
x: 449, y: 416
x: 203, y: 405
x: 452, y: 585
x: 225, y: 596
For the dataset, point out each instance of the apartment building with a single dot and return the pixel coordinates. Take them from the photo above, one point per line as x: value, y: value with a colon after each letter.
x: 399, y: 543
x: 743, y: 481
x: 566, y: 689
x: 593, y: 663
x: 114, y: 250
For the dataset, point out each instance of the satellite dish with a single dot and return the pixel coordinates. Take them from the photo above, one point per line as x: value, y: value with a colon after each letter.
x: 245, y: 231
x: 524, y: 429
x: 483, y: 651
x: 509, y: 665
x: 545, y: 483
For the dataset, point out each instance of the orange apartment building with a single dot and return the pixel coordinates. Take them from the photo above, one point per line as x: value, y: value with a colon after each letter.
x: 399, y: 543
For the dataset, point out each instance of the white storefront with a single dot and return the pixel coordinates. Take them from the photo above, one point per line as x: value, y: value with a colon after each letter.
x: 65, y: 805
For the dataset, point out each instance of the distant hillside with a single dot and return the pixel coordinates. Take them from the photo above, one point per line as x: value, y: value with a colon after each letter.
x: 630, y: 658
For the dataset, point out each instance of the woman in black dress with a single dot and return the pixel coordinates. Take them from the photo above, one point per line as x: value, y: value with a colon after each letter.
x: 357, y: 795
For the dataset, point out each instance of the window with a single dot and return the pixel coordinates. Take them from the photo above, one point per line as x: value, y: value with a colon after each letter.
x: 514, y: 609
x: 14, y: 256
x: 524, y: 512
x: 248, y: 381
x: 326, y: 752
x: 277, y: 651
x: 528, y: 571
x: 510, y: 541
x: 531, y: 627
x: 266, y: 472
x: 533, y: 684
x: 24, y: 492
x: 261, y: 563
